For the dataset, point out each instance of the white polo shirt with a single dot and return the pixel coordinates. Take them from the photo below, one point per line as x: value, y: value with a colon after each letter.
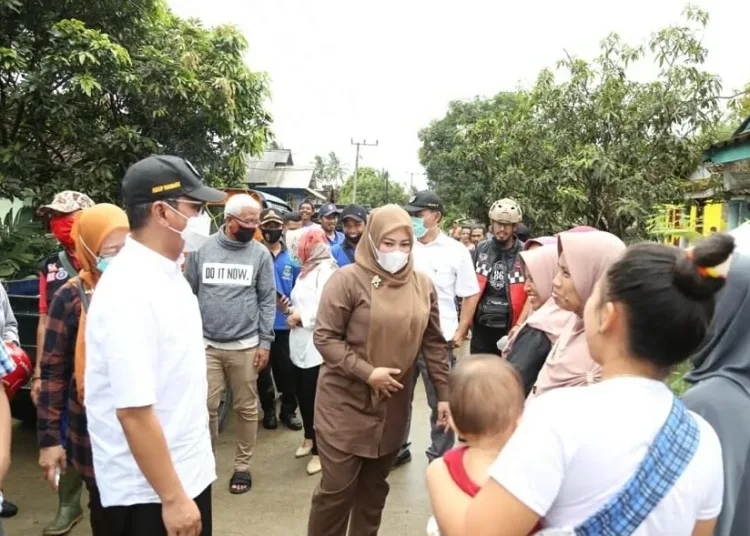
x: 448, y: 264
x: 144, y: 347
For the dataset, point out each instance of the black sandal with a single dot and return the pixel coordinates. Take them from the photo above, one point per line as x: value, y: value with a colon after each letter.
x: 240, y: 478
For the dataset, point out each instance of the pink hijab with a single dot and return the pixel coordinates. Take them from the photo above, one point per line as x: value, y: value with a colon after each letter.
x: 313, y: 248
x: 540, y: 241
x: 569, y: 363
x: 541, y: 264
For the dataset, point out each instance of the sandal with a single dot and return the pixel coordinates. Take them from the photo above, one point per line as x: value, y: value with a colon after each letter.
x: 242, y: 479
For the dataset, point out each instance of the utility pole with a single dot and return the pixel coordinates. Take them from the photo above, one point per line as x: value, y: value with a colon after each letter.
x: 356, y: 164
x: 384, y: 173
x: 411, y: 180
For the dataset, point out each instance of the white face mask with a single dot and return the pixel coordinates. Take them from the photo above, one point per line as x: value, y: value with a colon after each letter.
x: 391, y: 261
x: 196, y: 232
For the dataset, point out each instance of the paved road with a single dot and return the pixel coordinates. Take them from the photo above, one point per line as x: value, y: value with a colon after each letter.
x: 278, y: 504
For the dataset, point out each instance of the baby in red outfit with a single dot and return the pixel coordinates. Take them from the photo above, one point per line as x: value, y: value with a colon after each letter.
x: 486, y: 403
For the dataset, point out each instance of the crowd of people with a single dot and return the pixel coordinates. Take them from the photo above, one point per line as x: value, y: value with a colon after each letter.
x: 545, y: 358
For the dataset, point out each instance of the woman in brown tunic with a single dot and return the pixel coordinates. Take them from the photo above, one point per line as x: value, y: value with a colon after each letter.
x: 375, y: 316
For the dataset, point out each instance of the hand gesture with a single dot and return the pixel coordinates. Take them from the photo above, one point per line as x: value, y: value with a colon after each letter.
x: 444, y: 415
x: 36, y: 390
x: 458, y: 338
x: 181, y: 517
x: 261, y: 358
x: 52, y: 460
x: 284, y: 303
x: 381, y: 380
x: 294, y: 320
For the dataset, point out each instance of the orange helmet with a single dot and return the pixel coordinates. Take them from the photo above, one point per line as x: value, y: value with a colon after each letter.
x: 13, y: 381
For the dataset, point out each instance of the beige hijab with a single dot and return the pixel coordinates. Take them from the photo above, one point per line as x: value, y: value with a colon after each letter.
x: 400, y: 302
x: 569, y: 363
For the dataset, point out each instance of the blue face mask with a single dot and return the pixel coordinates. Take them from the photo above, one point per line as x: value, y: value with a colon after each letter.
x: 417, y: 224
x: 102, y: 263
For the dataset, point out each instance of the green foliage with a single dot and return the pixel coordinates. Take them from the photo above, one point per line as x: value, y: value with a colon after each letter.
x: 661, y: 226
x: 587, y: 145
x: 740, y: 107
x: 22, y: 244
x: 371, y: 189
x: 88, y: 88
x: 676, y: 382
x: 329, y: 172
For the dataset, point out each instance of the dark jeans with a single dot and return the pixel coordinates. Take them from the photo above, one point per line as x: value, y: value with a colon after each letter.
x: 306, y: 381
x: 484, y: 339
x: 283, y: 374
x: 139, y: 519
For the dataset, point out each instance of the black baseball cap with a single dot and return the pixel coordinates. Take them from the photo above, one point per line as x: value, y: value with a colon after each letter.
x: 425, y: 199
x: 270, y: 215
x: 161, y: 177
x: 329, y: 209
x: 354, y: 212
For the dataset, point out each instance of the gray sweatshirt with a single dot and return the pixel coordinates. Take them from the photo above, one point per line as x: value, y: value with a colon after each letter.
x: 236, y: 291
x: 8, y: 323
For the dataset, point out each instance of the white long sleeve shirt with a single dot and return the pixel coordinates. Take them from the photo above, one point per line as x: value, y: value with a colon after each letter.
x: 306, y: 299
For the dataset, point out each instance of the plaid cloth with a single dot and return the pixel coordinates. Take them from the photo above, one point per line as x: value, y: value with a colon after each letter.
x: 665, y: 461
x: 7, y: 365
x: 58, y: 391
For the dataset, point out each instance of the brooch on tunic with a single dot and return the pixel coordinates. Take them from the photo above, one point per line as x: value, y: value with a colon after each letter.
x: 376, y: 281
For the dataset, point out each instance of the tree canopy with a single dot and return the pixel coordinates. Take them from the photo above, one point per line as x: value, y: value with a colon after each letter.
x: 329, y: 171
x: 587, y: 144
x: 88, y: 88
x: 374, y: 188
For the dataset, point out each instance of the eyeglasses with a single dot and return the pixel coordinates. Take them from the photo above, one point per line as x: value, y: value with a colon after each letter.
x: 251, y: 223
x: 200, y: 204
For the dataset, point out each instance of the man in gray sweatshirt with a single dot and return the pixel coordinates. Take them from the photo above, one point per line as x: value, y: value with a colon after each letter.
x: 232, y: 275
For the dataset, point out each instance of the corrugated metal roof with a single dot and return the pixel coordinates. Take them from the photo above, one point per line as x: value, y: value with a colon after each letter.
x: 279, y: 176
x: 278, y: 156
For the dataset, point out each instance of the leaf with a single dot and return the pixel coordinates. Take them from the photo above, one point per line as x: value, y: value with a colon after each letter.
x: 115, y: 85
x: 585, y: 143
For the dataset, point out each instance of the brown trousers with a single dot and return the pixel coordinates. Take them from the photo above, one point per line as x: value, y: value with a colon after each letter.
x: 352, y: 492
x: 234, y: 368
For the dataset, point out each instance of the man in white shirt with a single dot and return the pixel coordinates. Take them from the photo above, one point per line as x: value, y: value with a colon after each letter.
x: 449, y: 265
x: 145, y: 379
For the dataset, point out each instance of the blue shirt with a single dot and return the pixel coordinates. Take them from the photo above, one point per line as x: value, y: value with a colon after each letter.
x: 7, y: 365
x: 285, y: 274
x: 338, y: 240
x: 343, y: 253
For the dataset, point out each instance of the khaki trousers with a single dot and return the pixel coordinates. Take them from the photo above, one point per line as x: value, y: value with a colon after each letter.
x: 234, y: 368
x: 351, y: 493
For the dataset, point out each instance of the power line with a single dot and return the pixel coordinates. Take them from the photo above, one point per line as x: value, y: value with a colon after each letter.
x: 356, y: 164
x: 411, y: 178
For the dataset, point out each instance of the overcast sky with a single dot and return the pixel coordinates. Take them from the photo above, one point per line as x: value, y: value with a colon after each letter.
x: 343, y: 69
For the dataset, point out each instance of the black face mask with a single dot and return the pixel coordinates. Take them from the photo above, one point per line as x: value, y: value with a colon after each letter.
x: 272, y: 235
x: 244, y: 234
x: 354, y: 239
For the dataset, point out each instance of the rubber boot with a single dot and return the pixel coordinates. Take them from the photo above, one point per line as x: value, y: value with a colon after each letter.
x: 69, y: 512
